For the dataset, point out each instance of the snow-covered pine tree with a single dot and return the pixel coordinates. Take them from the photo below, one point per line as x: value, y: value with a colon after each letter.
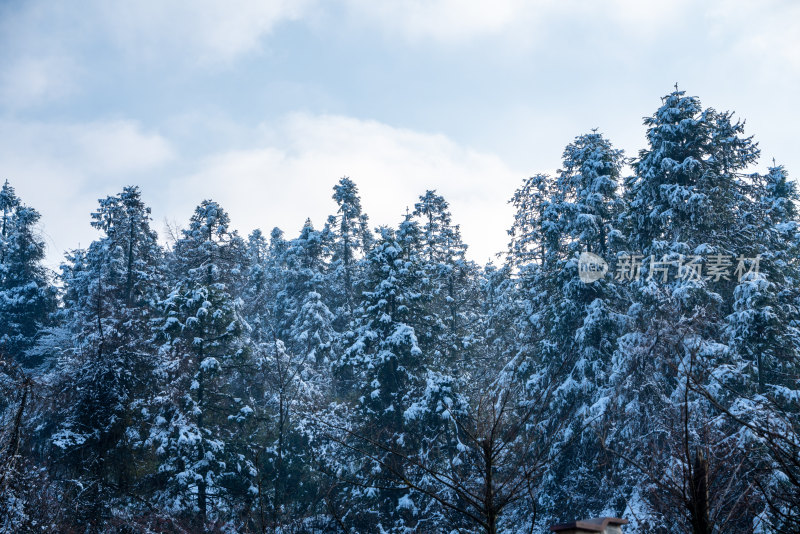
x: 287, y: 389
x: 272, y: 298
x: 588, y: 188
x: 305, y: 265
x: 762, y: 325
x: 256, y: 289
x: 568, y: 327
x: 203, y: 359
x: 27, y: 298
x: 782, y: 196
x: 106, y: 368
x: 386, y: 364
x: 350, y: 239
x: 759, y: 387
x: 440, y: 239
x: 500, y: 305
x: 452, y: 286
x: 762, y: 330
x: 531, y: 233
x: 687, y: 181
x: 686, y: 201
x: 9, y: 202
x: 296, y: 371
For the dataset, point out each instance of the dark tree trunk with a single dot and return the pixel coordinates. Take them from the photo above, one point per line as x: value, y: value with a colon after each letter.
x: 701, y: 523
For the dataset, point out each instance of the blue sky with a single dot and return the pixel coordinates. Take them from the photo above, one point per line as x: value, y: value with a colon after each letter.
x: 263, y: 105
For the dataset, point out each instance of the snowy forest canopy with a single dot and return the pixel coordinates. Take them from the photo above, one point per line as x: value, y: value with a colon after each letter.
x: 362, y: 380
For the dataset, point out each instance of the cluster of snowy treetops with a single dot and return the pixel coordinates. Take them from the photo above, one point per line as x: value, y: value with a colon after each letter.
x: 362, y: 380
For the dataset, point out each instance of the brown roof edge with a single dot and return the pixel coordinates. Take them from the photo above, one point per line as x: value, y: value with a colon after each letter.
x: 597, y: 524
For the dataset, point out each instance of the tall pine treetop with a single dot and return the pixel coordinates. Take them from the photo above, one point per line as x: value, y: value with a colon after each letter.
x: 687, y: 184
x: 782, y: 195
x: 588, y: 188
x: 209, y: 248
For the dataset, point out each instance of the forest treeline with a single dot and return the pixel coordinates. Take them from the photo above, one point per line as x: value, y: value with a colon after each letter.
x: 375, y: 380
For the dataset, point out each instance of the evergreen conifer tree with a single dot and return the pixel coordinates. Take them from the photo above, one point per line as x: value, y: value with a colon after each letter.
x: 27, y: 298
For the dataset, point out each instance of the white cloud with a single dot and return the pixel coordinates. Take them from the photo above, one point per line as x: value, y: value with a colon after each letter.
x: 286, y: 175
x: 119, y: 147
x: 61, y: 170
x: 290, y: 176
x: 768, y: 31
x: 643, y: 16
x: 520, y: 23
x: 94, y: 149
x: 50, y: 49
x: 204, y: 30
x: 31, y: 80
x: 447, y: 20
